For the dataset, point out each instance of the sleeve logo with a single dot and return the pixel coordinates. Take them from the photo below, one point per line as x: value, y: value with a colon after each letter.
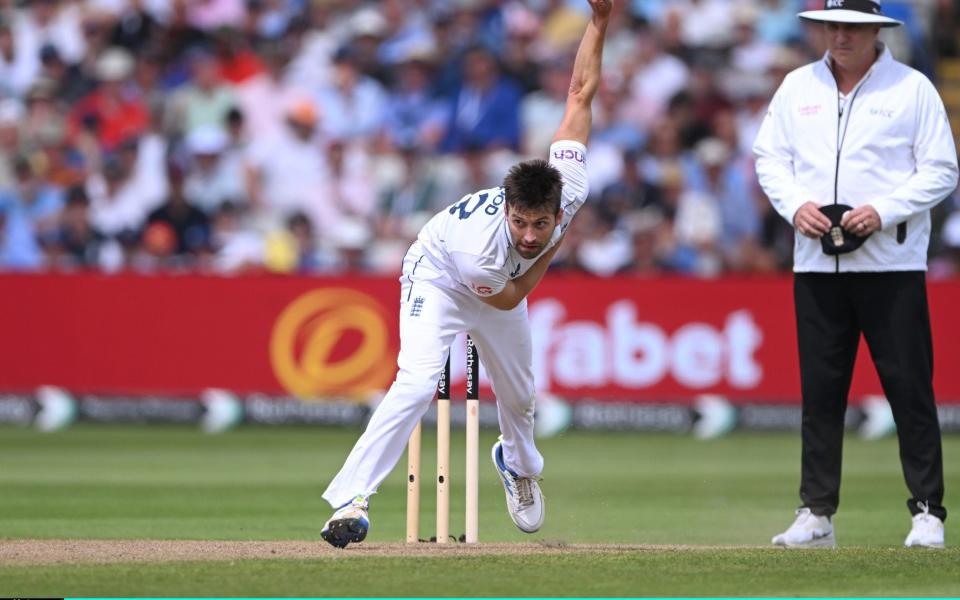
x: 483, y: 290
x: 568, y: 154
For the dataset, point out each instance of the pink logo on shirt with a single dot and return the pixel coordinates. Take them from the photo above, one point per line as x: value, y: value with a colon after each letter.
x: 809, y: 110
x: 483, y: 290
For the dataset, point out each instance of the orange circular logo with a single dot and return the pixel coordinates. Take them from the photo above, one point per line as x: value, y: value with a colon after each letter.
x: 331, y: 341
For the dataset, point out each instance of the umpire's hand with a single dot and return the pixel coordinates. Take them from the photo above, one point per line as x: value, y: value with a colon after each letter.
x: 810, y: 222
x: 861, y: 221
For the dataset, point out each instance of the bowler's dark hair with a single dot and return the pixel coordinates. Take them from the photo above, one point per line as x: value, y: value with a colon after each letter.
x: 533, y: 186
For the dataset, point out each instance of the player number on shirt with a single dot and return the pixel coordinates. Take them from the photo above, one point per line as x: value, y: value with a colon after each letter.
x: 466, y: 209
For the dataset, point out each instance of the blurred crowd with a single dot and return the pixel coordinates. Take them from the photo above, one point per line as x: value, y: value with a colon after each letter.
x: 318, y: 136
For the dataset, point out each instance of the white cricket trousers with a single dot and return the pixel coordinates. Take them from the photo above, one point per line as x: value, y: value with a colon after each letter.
x: 430, y: 319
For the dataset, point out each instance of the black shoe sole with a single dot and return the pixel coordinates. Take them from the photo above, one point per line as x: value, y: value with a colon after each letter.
x: 341, y: 532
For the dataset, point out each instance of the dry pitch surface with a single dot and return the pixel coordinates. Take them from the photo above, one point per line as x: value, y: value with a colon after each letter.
x: 38, y: 552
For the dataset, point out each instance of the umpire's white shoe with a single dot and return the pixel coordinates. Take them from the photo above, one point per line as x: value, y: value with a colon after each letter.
x: 808, y: 531
x: 927, y: 531
x: 524, y: 500
x: 348, y: 524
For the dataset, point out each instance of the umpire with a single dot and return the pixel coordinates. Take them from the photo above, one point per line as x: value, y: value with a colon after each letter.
x: 855, y: 150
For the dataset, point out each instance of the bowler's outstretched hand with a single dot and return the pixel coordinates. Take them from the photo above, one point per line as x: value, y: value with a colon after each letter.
x: 601, y: 8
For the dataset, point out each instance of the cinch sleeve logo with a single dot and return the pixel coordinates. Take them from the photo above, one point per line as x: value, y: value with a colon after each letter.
x: 568, y: 154
x: 331, y: 342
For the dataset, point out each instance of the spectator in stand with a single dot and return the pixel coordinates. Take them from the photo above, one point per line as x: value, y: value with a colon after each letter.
x: 414, y: 117
x: 349, y: 243
x: 111, y: 113
x: 473, y: 168
x: 270, y: 19
x: 205, y: 101
x: 236, y: 247
x: 406, y: 31
x: 656, y: 76
x: 264, y: 97
x: 288, y: 172
x: 603, y: 248
x: 698, y: 224
x: 187, y: 227
x: 649, y: 233
x: 350, y: 190
x: 51, y: 22
x: 413, y: 193
x: 750, y: 53
x: 542, y: 109
x: 353, y: 104
x: 704, y: 24
x: 96, y: 26
x: 315, y: 40
x: 310, y: 257
x: 11, y: 116
x: 520, y: 57
x: 562, y: 24
x: 662, y: 152
x: 750, y: 107
x: 237, y: 63
x: 619, y: 120
x: 180, y: 35
x: 210, y: 15
x: 777, y: 20
x: 120, y: 200
x: 44, y: 123
x: 693, y: 109
x: 630, y: 193
x: 484, y: 110
x: 948, y: 264
x: 687, y: 242
x: 134, y: 26
x: 18, y: 68
x: 74, y: 243
x: 213, y: 175
x: 367, y: 30
x: 71, y: 83
x: 31, y: 208
x: 720, y: 178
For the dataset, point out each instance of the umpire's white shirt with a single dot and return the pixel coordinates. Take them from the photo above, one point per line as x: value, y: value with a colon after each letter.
x: 887, y: 143
x: 468, y: 247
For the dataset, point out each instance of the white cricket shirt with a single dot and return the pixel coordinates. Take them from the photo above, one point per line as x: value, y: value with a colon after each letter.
x: 888, y: 145
x: 468, y: 244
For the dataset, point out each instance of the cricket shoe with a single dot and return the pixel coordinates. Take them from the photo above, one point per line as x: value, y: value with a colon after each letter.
x: 927, y: 531
x: 524, y: 500
x: 808, y: 531
x: 348, y: 524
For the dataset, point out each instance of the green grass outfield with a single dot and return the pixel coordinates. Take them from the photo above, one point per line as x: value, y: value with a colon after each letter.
x: 174, y: 483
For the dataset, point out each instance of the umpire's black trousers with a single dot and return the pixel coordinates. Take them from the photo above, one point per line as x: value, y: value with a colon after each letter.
x: 890, y: 309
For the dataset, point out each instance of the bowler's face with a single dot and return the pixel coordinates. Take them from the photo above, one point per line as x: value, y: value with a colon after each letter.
x: 530, y: 231
x: 852, y: 47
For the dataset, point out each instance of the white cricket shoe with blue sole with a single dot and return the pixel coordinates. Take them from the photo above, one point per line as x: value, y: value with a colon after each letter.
x: 349, y: 524
x: 808, y: 531
x: 524, y: 499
